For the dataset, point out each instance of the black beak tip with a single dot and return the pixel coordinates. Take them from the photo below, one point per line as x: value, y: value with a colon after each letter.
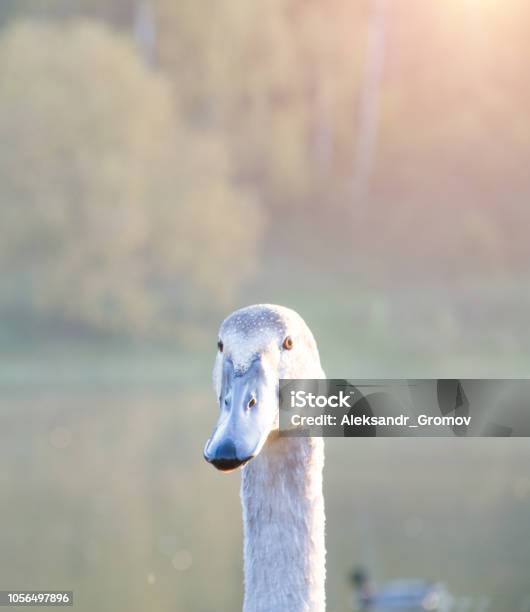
x: 225, y: 457
x: 224, y: 464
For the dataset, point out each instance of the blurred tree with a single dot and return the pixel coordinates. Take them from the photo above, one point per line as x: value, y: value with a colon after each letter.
x: 277, y: 89
x: 113, y: 213
x: 117, y: 12
x: 280, y: 79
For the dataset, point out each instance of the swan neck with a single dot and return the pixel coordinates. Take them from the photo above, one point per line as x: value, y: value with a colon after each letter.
x: 283, y: 517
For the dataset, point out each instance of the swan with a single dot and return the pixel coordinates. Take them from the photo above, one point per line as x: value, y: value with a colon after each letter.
x: 281, y: 480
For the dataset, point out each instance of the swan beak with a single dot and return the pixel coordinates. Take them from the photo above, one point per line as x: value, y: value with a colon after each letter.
x: 225, y: 458
x: 242, y: 426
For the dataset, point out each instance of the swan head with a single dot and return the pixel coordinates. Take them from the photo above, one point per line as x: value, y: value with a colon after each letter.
x: 257, y: 346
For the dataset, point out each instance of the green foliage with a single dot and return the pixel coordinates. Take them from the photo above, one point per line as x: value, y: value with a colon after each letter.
x: 285, y: 80
x: 272, y: 76
x: 111, y: 209
x: 255, y: 103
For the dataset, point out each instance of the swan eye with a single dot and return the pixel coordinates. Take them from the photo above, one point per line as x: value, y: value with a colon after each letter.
x: 288, y: 343
x: 220, y: 346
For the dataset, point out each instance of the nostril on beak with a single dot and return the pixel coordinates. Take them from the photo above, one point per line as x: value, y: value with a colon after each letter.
x: 252, y: 402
